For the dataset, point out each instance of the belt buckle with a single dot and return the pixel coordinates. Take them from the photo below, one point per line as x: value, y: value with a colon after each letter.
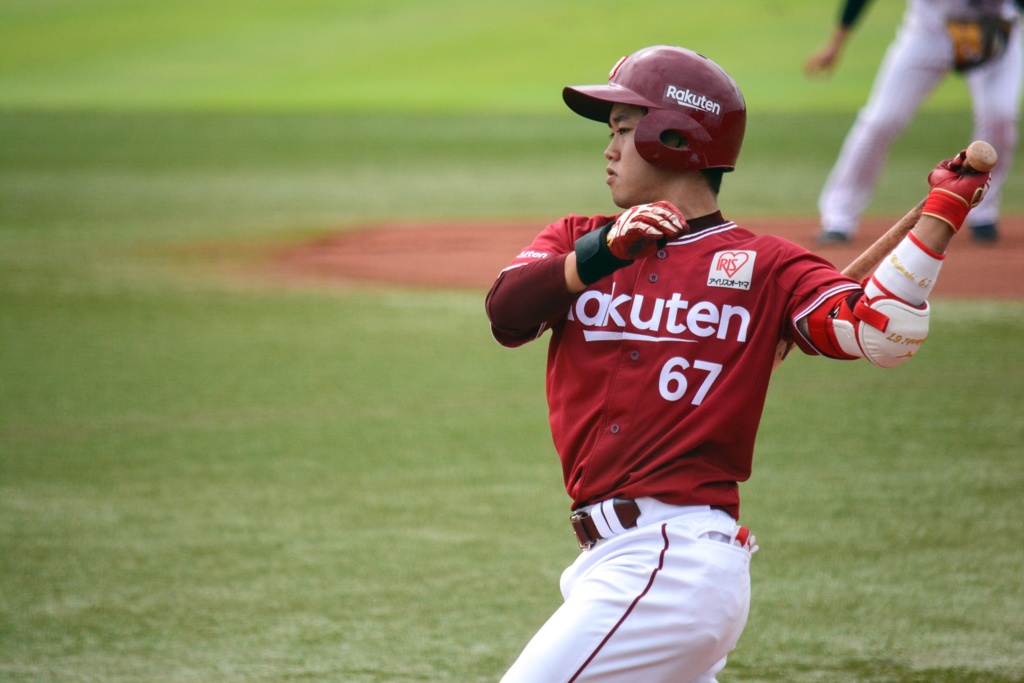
x: 582, y: 537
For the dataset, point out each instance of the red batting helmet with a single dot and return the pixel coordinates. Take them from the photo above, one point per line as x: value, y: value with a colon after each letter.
x: 684, y: 92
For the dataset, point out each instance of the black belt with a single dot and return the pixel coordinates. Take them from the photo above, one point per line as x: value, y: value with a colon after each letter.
x: 585, y: 528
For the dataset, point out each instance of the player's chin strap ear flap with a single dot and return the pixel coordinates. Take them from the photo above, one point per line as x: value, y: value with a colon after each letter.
x: 653, y: 136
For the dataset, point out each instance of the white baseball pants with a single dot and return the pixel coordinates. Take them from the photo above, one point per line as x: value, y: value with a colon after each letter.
x: 663, y: 602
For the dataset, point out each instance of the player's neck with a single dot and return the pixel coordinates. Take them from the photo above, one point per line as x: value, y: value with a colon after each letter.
x: 695, y: 200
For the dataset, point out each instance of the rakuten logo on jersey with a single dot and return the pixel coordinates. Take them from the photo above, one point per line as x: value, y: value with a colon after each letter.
x: 692, y: 100
x: 674, y: 319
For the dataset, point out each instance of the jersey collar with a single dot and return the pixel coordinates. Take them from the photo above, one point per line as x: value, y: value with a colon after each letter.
x: 711, y: 220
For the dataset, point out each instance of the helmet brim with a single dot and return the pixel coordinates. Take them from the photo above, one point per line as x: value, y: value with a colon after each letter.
x: 595, y: 101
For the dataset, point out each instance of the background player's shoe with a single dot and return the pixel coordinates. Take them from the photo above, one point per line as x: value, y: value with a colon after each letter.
x: 984, y: 232
x: 833, y: 237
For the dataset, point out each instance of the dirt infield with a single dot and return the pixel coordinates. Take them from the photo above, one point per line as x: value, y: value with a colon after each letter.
x: 470, y: 256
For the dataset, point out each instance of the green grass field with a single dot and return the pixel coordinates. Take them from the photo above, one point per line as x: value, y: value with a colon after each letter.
x: 211, y: 478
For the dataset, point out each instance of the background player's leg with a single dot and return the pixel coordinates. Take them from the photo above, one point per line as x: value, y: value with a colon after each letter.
x: 996, y: 92
x: 911, y: 69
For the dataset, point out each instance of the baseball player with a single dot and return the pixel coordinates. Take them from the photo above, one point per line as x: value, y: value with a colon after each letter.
x: 664, y: 321
x: 979, y: 39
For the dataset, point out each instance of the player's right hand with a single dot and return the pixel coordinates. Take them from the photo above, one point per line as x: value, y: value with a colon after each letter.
x: 955, y: 190
x: 642, y: 230
x: 822, y: 61
x: 826, y: 58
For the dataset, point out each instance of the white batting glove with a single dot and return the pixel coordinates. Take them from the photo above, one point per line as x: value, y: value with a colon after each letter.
x: 642, y: 230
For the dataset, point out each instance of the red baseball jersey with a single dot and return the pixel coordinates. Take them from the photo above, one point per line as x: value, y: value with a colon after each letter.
x: 657, y: 374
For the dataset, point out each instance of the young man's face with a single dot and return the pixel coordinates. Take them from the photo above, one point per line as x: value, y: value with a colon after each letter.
x: 631, y: 179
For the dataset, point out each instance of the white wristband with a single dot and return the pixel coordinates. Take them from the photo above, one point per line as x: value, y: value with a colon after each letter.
x: 908, y: 273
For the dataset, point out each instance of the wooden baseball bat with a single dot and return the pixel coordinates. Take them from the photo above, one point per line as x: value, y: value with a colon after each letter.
x: 979, y: 157
x: 865, y: 264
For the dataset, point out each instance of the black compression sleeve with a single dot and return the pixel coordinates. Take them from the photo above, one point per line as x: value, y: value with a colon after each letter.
x: 594, y: 260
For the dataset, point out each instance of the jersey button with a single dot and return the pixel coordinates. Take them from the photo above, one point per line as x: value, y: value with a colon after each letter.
x: 615, y: 429
x: 662, y: 253
x: 634, y: 355
x: 653, y: 277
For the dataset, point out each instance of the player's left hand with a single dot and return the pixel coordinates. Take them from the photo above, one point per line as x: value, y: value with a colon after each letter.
x: 956, y: 189
x: 642, y: 230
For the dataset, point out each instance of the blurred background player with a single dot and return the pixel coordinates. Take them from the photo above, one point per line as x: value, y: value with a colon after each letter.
x: 981, y: 40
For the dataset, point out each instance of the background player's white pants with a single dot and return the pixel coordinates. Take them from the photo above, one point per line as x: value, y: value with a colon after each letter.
x: 659, y: 603
x: 913, y: 66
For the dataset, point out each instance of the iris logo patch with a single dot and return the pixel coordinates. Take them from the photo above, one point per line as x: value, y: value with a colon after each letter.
x: 732, y: 269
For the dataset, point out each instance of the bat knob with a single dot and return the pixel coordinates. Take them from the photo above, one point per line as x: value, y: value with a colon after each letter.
x: 980, y: 157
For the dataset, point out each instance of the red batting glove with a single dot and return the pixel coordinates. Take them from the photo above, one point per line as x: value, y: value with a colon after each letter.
x: 956, y: 189
x: 642, y: 230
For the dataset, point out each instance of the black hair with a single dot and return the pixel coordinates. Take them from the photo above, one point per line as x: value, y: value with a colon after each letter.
x: 714, y: 178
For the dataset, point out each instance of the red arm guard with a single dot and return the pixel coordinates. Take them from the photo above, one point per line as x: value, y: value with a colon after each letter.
x: 819, y: 323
